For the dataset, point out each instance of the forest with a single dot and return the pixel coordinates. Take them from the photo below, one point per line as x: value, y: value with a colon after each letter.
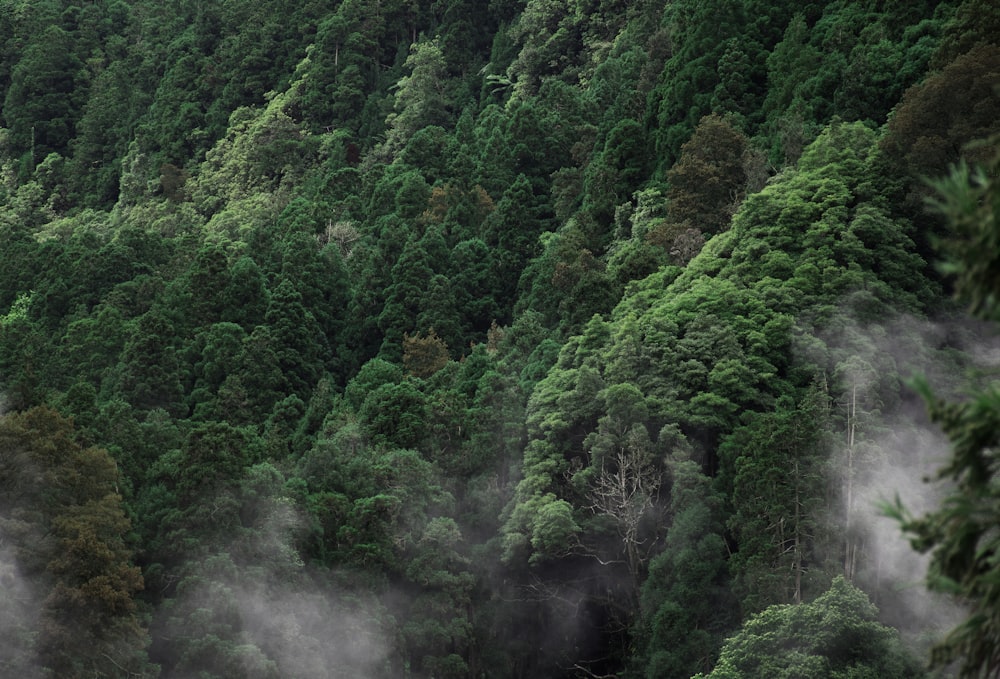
x: 519, y: 339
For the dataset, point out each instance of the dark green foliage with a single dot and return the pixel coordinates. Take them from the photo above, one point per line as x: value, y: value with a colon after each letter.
x: 774, y: 466
x: 618, y: 171
x: 685, y: 604
x: 395, y: 415
x: 970, y: 200
x: 43, y: 101
x: 457, y: 339
x: 970, y: 24
x: 934, y: 124
x: 152, y: 375
x: 689, y: 78
x: 299, y: 341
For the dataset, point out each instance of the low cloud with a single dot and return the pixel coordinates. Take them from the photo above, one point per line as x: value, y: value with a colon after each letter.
x: 896, y: 451
x: 19, y: 606
x: 274, y: 615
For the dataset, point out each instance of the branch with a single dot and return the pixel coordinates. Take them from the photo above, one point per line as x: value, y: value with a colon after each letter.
x: 128, y: 672
x: 577, y: 666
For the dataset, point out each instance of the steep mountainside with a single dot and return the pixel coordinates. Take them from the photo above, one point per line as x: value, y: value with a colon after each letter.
x: 520, y: 339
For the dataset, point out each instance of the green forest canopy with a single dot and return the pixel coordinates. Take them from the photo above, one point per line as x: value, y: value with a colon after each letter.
x: 510, y: 340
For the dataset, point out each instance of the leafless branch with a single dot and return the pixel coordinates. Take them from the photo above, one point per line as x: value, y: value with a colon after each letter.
x: 577, y: 666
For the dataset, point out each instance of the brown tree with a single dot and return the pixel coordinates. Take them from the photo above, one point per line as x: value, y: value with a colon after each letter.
x: 69, y: 547
x: 934, y: 123
x: 706, y: 185
x: 424, y: 355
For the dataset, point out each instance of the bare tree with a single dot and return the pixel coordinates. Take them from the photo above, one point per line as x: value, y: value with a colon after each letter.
x: 625, y: 489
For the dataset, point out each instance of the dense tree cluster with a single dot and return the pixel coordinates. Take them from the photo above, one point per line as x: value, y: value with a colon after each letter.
x: 458, y: 339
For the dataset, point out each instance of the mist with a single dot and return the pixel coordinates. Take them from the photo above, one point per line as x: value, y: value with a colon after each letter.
x: 269, y: 613
x: 888, y: 448
x: 19, y: 606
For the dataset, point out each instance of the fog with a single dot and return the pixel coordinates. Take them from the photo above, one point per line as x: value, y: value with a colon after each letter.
x: 887, y: 448
x: 270, y: 614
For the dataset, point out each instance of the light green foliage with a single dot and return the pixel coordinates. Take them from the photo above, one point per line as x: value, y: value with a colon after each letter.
x: 261, y: 149
x: 421, y: 97
x: 543, y: 30
x: 18, y: 311
x: 704, y: 349
x: 836, y: 636
x: 553, y: 530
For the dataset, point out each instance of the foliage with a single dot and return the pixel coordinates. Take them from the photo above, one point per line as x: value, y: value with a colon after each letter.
x: 67, y: 553
x: 685, y: 605
x: 835, y: 635
x: 776, y: 461
x: 451, y: 338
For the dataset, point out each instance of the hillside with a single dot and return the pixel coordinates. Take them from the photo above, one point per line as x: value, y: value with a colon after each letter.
x: 520, y: 339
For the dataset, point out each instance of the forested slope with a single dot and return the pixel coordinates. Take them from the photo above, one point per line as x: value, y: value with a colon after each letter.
x: 458, y: 339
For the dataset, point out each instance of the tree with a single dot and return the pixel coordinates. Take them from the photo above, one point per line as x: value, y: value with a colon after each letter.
x: 152, y: 374
x: 104, y: 132
x: 791, y: 71
x: 511, y: 231
x: 741, y: 74
x: 622, y: 481
x: 706, y: 185
x: 45, y: 94
x: 618, y: 170
x: 778, y: 492
x: 341, y: 68
x: 65, y: 526
x: 301, y: 344
x: 545, y: 31
x: 835, y: 636
x: 424, y: 355
x: 437, y: 628
x: 685, y: 603
x: 422, y: 97
x: 934, y: 126
x: 395, y: 415
x: 245, y: 298
x: 969, y: 199
x: 698, y: 39
x: 92, y: 600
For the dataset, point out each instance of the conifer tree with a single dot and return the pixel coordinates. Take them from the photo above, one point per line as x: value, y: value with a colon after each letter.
x: 68, y: 528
